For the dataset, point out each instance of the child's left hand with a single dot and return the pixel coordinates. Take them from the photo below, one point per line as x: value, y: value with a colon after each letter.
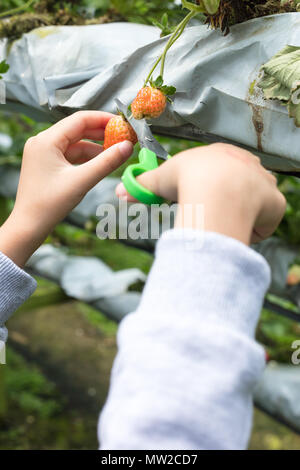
x: 51, y: 186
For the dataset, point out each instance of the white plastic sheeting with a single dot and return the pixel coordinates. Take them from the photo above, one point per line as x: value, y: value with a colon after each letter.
x: 56, y: 57
x: 5, y: 141
x: 56, y: 70
x: 280, y: 257
x: 89, y: 279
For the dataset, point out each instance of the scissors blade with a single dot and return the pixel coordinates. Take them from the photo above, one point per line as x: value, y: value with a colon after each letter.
x: 143, y: 131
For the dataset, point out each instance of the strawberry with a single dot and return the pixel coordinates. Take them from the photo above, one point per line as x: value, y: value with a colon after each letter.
x: 151, y: 101
x: 117, y: 130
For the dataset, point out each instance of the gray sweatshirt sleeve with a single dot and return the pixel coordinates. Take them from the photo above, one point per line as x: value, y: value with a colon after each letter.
x: 15, y: 287
x: 188, y: 361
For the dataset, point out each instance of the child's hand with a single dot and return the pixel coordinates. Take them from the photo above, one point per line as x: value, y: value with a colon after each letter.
x: 51, y: 186
x: 240, y: 197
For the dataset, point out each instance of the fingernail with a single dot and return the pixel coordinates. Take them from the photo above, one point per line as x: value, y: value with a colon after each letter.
x: 126, y: 148
x: 121, y: 191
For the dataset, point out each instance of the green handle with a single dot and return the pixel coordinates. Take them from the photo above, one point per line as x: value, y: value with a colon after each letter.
x: 148, y: 161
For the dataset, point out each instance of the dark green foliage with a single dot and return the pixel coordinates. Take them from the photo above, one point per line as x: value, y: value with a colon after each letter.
x: 289, y: 227
x: 277, y: 334
x: 29, y: 390
x: 147, y: 11
x: 3, y: 68
x: 37, y: 415
x: 129, y: 10
x: 20, y: 128
x: 9, y: 4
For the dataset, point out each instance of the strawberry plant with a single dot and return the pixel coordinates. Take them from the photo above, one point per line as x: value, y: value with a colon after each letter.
x: 151, y: 100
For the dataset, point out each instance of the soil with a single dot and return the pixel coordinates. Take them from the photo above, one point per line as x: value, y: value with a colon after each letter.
x: 234, y: 11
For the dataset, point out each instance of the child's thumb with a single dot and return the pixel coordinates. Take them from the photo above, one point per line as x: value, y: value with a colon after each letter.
x: 106, y: 162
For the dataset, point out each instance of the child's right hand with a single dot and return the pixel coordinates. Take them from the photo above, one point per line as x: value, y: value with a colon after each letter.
x: 240, y: 198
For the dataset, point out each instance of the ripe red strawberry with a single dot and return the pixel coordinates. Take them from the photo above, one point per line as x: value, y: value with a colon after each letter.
x: 149, y: 103
x: 151, y: 100
x: 117, y: 130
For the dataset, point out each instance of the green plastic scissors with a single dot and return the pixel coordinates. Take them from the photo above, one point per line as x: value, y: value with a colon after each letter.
x: 148, y: 160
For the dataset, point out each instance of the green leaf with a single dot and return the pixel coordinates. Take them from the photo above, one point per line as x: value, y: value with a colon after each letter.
x: 158, y: 82
x: 281, y: 80
x: 205, y: 6
x: 164, y: 20
x: 193, y: 7
x: 4, y: 66
x: 157, y: 23
x: 168, y: 90
x: 211, y: 6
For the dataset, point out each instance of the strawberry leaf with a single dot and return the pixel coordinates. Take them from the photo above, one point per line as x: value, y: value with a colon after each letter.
x: 158, y: 82
x: 193, y: 7
x: 157, y: 24
x: 168, y: 90
x: 163, y: 25
x: 164, y: 20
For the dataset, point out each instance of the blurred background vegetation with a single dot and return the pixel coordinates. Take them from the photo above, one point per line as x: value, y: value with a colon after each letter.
x: 60, y: 351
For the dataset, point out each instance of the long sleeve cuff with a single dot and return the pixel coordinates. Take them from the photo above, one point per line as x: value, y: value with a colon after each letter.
x: 15, y: 287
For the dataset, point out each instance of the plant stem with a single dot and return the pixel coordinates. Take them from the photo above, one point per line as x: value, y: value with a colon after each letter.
x: 152, y: 70
x: 17, y: 9
x: 175, y: 35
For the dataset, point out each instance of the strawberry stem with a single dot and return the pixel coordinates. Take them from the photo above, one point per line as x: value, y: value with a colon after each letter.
x: 176, y: 35
x: 173, y: 38
x: 152, y: 70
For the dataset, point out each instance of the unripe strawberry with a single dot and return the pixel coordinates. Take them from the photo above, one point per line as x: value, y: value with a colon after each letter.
x: 150, y: 103
x: 117, y: 130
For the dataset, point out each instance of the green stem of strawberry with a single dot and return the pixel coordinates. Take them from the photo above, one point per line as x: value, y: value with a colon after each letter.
x: 176, y: 35
x: 152, y: 70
